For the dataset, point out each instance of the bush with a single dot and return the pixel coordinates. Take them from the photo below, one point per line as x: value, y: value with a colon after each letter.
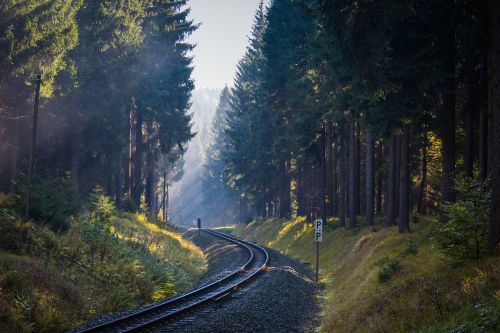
x: 387, y: 268
x: 53, y: 201
x: 129, y: 205
x: 463, y: 235
x: 477, y: 318
x: 409, y: 247
x: 97, y: 230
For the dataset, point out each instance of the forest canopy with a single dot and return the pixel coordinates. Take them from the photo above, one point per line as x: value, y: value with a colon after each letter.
x: 364, y: 109
x: 115, y: 93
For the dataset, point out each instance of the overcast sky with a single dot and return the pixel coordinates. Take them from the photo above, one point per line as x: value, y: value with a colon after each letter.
x: 221, y: 40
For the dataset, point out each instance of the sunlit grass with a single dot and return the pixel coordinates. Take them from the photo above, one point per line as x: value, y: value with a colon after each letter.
x: 185, y: 244
x: 426, y: 290
x: 52, y: 282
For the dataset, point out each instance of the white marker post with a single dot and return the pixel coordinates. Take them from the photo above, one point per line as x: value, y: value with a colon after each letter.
x: 318, y: 237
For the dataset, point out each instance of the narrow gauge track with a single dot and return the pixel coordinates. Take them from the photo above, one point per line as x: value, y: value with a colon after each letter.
x: 172, y: 307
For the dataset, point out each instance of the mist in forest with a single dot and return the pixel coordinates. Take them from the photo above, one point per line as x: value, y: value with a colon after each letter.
x: 186, y: 194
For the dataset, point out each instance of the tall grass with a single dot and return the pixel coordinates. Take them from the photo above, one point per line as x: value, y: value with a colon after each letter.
x: 383, y: 281
x: 51, y: 282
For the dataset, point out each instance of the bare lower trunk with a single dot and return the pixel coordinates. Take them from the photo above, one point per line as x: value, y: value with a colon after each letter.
x: 370, y: 179
x: 137, y: 193
x: 422, y: 203
x: 357, y: 167
x: 469, y: 138
x: 352, y: 174
x: 391, y: 182
x: 335, y: 178
x: 494, y: 124
x: 379, y: 178
x: 404, y: 184
x: 342, y: 178
x: 447, y: 123
x: 119, y: 183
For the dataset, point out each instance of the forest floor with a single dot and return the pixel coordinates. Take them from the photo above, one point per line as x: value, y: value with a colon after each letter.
x: 378, y: 280
x: 280, y: 299
x: 54, y: 281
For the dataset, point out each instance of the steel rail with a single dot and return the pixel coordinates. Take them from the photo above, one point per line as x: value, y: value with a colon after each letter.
x: 142, y: 319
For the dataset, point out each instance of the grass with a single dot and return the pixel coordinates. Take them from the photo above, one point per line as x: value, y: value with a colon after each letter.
x: 383, y: 281
x: 52, y: 282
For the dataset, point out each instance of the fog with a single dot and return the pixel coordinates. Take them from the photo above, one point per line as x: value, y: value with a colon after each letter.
x: 186, y: 195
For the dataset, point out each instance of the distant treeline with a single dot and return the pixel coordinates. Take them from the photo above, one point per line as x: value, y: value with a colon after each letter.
x: 347, y: 108
x: 115, y: 93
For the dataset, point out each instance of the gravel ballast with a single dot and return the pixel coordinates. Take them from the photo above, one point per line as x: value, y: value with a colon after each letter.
x: 280, y: 299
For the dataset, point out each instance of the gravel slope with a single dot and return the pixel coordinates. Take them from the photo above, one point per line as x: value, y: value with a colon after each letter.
x: 281, y: 299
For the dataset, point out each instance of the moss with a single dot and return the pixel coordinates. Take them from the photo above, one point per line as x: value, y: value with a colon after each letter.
x: 421, y: 289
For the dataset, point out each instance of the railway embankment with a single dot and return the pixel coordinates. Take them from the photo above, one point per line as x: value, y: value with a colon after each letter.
x: 378, y: 280
x: 54, y: 281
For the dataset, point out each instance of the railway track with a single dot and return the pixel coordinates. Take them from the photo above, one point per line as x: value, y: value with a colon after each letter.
x: 173, y: 307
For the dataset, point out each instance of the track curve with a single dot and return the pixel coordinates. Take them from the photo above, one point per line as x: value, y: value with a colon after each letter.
x: 173, y: 307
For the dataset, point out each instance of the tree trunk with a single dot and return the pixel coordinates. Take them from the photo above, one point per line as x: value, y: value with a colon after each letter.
x: 15, y: 150
x: 447, y: 121
x: 150, y: 180
x: 342, y: 177
x: 324, y: 176
x: 422, y: 203
x: 469, y: 134
x: 119, y: 184
x: 357, y: 167
x: 404, y: 183
x: 483, y: 143
x: 335, y: 178
x: 138, y: 159
x: 164, y: 201
x: 391, y: 182
x: 494, y: 124
x: 285, y: 209
x: 397, y: 167
x: 330, y: 196
x: 379, y: 178
x: 370, y: 179
x: 353, y: 193
x: 130, y: 130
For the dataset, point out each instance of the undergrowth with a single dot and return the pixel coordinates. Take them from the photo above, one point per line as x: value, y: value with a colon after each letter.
x: 105, y: 262
x: 377, y: 280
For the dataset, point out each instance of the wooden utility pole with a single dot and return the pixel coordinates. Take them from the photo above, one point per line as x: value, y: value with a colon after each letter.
x: 31, y: 163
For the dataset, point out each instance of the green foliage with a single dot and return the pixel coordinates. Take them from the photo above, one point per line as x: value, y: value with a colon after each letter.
x: 101, y: 208
x: 481, y: 318
x: 97, y: 230
x: 409, y: 247
x: 463, y: 235
x: 477, y: 318
x: 50, y: 282
x: 35, y: 38
x: 128, y: 205
x: 53, y: 201
x: 388, y: 267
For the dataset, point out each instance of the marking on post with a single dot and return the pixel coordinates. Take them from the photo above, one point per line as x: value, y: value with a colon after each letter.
x: 318, y: 237
x: 318, y: 230
x: 318, y: 226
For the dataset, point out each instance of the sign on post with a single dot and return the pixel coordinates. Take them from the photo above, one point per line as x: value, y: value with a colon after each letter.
x: 318, y: 237
x: 318, y: 230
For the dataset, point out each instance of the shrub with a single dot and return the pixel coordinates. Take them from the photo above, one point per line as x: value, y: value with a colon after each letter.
x: 463, y: 235
x: 129, y: 205
x: 53, y: 201
x: 387, y: 268
x: 409, y: 247
x: 97, y: 230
